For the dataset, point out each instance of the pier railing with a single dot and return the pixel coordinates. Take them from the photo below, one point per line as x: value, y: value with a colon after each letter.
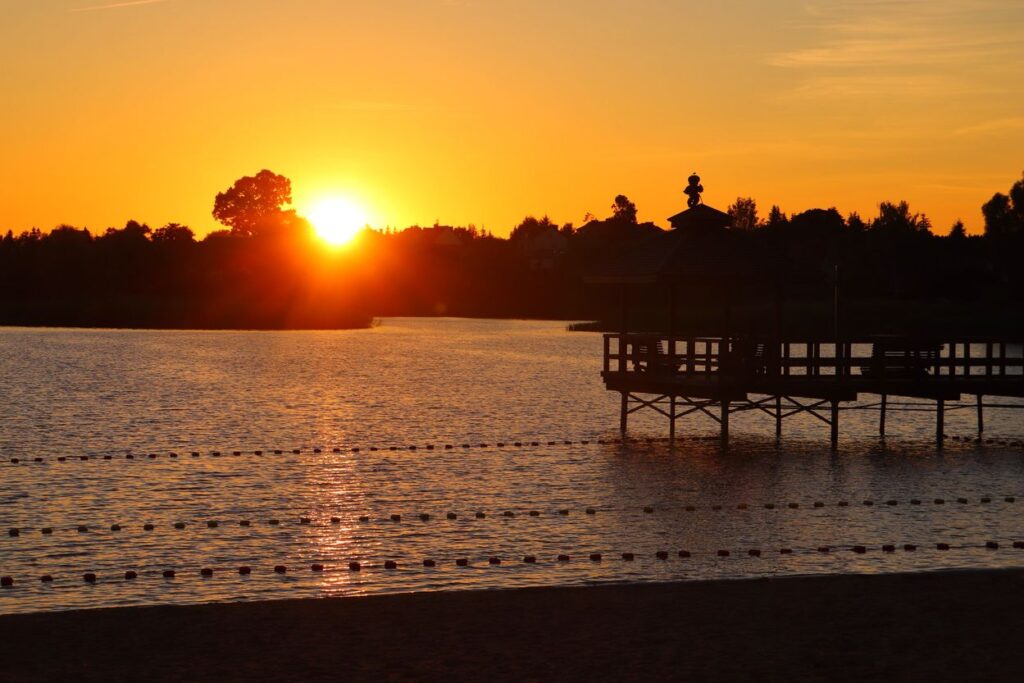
x: 890, y: 357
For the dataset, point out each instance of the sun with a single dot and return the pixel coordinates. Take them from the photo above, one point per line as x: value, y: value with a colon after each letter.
x: 337, y: 220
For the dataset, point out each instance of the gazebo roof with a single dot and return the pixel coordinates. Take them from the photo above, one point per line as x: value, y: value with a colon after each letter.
x: 700, y: 217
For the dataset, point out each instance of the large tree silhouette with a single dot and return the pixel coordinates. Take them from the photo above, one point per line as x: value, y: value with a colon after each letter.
x: 251, y: 201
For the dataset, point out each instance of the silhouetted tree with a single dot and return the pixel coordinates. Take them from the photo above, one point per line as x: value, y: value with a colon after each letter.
x: 174, y: 233
x: 623, y: 210
x: 958, y: 232
x: 247, y: 205
x: 744, y: 213
x: 897, y: 219
x: 776, y: 219
x: 531, y: 227
x: 855, y: 223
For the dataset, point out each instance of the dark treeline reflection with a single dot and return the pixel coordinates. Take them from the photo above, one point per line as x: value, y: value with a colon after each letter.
x: 268, y: 270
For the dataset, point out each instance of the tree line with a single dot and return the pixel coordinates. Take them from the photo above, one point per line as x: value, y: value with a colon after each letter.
x: 265, y: 269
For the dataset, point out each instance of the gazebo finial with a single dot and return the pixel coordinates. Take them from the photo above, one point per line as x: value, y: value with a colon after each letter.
x: 693, y: 190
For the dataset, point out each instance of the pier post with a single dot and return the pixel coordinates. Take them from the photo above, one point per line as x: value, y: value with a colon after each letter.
x: 624, y: 413
x: 672, y: 419
x: 778, y: 417
x: 881, y: 417
x: 981, y: 417
x: 940, y: 419
x: 835, y: 424
x: 725, y: 421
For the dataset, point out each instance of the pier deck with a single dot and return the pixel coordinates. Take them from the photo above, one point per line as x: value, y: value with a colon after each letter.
x: 717, y: 376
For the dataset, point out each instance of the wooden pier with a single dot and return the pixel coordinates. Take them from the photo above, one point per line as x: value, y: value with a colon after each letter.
x: 720, y: 376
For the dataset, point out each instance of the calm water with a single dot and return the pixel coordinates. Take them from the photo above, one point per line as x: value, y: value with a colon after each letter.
x: 71, y: 393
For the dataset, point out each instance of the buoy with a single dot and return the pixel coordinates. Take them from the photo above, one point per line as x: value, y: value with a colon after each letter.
x: 115, y: 527
x: 563, y: 512
x: 168, y: 573
x: 354, y: 566
x: 530, y: 559
x: 46, y: 530
x: 244, y: 522
x: 501, y: 444
x: 195, y: 454
x: 152, y: 456
x: 823, y: 549
x: 466, y: 445
x: 296, y: 451
x: 859, y: 549
x: 892, y: 502
x: 508, y: 513
x: 563, y: 558
x: 690, y: 508
x: 317, y: 450
x: 15, y: 461
x: 534, y: 513
x: 373, y: 448
x: 396, y: 518
x: 429, y: 563
x: 245, y: 571
x: 129, y: 575
x: 991, y: 545
x: 448, y: 447
x: 335, y: 520
x: 412, y: 448
x: 13, y: 532
x: 335, y: 450
x: 519, y: 443
x: 46, y: 578
x: 304, y: 520
x: 869, y: 503
x: 595, y: 557
x: 494, y: 560
x: 462, y: 562
x: 481, y: 515
x: 785, y: 551
x: 648, y: 509
x: 316, y: 567
x: 61, y: 458
x: 584, y: 442
x: 40, y: 459
x: 1018, y: 544
x: 273, y: 522
x: 280, y: 569
x: 393, y: 448
x: 148, y: 527
x: 818, y: 504
x: 364, y: 518
x: 716, y: 507
x: 986, y: 500
x: 6, y: 581
x: 206, y: 571
x: 83, y: 529
x: 390, y: 564
x: 888, y: 548
x: 551, y: 443
x: 628, y: 557
x: 942, y: 546
x: 741, y: 506
x: 424, y: 517
x: 534, y: 443
x: 684, y: 553
x: 591, y: 511
x: 723, y: 553
x: 961, y: 500
x: 355, y: 450
x: 1010, y: 499
x: 939, y: 501
x: 277, y: 452
x: 754, y: 552
x: 842, y: 504
x: 212, y: 524
x: 769, y: 506
x: 915, y: 501
x: 83, y: 457
x: 909, y: 547
x: 179, y: 525
x: 430, y: 446
x: 661, y: 554
x: 794, y: 506
x: 105, y: 457
x: 127, y: 457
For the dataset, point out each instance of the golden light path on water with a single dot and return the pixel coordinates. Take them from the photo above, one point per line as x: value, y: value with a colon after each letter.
x: 437, y: 382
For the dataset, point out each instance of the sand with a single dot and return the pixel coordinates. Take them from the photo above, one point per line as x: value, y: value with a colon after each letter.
x: 925, y: 626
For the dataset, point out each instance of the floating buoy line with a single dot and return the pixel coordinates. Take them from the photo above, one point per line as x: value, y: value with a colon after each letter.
x: 453, y: 446
x: 388, y: 565
x: 395, y: 518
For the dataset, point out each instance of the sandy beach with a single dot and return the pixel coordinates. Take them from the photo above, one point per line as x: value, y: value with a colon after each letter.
x: 926, y: 626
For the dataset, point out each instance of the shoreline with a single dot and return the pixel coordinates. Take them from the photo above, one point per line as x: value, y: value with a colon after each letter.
x: 936, y: 625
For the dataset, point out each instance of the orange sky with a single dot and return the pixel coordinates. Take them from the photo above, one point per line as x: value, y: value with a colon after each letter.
x: 481, y: 111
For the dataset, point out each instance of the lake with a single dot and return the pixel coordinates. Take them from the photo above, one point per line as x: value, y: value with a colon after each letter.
x: 94, y: 394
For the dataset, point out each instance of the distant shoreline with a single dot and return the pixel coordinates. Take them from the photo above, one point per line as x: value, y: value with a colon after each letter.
x: 919, y: 626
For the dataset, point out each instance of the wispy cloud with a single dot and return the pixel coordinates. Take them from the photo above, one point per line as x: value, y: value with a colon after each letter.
x: 894, y: 47
x: 115, y: 5
x: 992, y: 126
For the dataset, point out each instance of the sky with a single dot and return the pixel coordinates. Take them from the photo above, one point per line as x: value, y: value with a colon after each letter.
x: 484, y: 111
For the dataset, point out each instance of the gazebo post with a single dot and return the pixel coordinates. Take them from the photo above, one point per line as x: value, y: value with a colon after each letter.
x: 623, y: 345
x: 672, y: 287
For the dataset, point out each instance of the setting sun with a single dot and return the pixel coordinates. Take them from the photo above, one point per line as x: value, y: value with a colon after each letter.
x: 337, y: 220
